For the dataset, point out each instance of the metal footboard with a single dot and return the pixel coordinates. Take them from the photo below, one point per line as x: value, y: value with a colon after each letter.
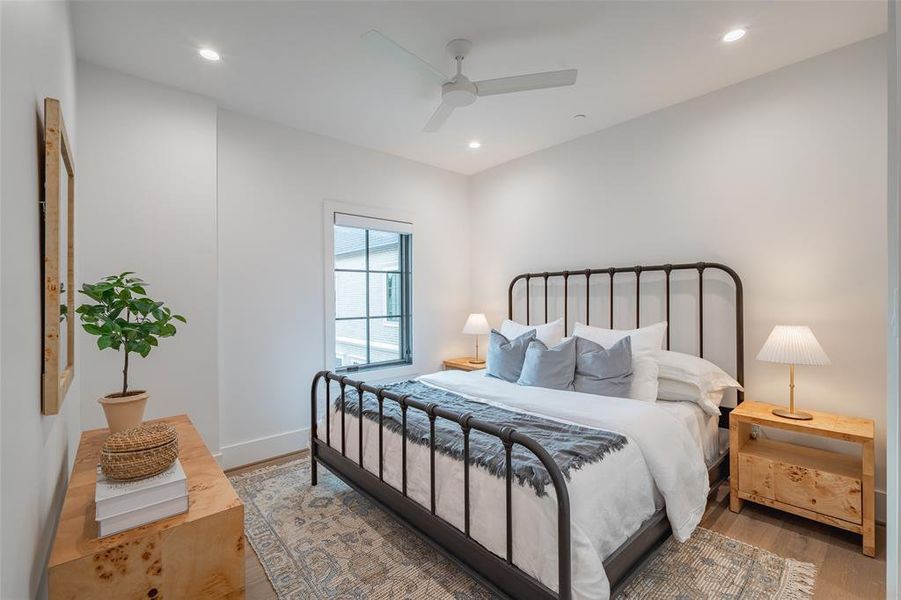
x: 499, y: 572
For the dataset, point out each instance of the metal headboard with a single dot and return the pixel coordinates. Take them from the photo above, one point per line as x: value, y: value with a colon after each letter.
x: 667, y: 269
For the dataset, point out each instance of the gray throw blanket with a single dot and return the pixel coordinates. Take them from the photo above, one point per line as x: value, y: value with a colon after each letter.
x: 571, y: 446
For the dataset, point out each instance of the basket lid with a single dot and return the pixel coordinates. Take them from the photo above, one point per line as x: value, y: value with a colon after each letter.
x: 142, y: 437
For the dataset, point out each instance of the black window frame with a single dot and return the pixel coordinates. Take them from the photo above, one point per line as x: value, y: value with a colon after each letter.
x: 404, y: 319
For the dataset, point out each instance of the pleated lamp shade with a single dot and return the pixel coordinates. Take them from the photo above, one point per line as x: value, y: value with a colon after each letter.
x: 793, y: 345
x: 477, y: 324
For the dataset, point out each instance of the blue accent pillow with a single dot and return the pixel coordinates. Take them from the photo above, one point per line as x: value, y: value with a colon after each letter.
x: 505, y: 357
x: 604, y: 371
x: 552, y: 368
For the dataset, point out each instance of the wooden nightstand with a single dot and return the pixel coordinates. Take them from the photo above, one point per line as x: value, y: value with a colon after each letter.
x: 462, y: 364
x: 829, y: 487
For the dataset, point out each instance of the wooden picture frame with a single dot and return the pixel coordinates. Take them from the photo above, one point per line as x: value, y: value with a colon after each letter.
x: 56, y: 379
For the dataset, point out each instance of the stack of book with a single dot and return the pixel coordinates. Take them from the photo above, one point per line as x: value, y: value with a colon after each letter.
x: 122, y: 505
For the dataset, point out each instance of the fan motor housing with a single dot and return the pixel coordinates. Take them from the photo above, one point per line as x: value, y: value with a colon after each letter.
x: 459, y: 92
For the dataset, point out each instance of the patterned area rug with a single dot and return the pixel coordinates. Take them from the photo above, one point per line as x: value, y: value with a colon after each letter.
x: 329, y: 542
x: 710, y: 565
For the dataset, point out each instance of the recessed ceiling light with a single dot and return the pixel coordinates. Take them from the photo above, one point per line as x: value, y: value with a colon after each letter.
x: 579, y: 116
x: 734, y: 35
x: 475, y: 144
x: 209, y: 54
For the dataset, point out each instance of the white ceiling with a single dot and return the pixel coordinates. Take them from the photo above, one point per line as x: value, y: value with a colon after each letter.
x: 304, y: 64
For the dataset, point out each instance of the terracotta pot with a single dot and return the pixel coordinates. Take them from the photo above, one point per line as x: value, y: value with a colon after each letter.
x: 124, y: 412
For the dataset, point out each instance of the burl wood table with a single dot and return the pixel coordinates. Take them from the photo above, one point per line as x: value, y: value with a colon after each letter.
x: 196, y: 555
x: 826, y: 486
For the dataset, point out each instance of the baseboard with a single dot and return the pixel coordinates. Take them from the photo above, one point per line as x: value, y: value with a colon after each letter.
x: 252, y: 451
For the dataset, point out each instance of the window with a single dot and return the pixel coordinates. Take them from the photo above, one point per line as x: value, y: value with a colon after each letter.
x: 372, y: 292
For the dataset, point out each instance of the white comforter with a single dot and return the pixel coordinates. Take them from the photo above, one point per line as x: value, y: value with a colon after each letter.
x: 609, y: 499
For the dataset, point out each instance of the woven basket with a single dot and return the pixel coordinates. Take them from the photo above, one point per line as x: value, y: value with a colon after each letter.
x: 139, y: 452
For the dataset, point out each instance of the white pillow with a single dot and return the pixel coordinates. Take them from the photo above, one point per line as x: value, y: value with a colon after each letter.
x: 646, y: 342
x: 670, y: 390
x: 550, y: 333
x: 688, y: 378
x: 644, y: 339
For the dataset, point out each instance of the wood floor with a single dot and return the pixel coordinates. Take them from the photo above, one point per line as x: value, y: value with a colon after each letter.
x: 842, y: 570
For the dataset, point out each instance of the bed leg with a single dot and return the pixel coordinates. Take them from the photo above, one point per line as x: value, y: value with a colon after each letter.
x: 314, y: 479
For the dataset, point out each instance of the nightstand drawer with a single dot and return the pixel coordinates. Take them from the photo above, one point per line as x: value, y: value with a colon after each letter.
x: 819, y: 491
x: 755, y: 475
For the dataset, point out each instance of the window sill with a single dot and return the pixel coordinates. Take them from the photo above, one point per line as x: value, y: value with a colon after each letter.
x: 383, y: 373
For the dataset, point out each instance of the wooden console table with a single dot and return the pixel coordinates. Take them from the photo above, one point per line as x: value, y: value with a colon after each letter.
x: 197, y: 555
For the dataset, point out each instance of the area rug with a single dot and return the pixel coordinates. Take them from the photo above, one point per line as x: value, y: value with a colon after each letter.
x: 710, y: 565
x: 329, y: 542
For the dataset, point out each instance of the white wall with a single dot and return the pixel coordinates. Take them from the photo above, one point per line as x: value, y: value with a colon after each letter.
x: 781, y: 177
x: 37, y: 452
x: 148, y: 190
x: 273, y: 182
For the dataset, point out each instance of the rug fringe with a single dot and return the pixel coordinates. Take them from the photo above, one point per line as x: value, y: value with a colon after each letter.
x: 800, y: 580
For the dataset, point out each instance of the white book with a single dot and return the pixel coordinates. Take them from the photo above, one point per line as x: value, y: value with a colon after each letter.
x: 119, y: 497
x: 148, y: 514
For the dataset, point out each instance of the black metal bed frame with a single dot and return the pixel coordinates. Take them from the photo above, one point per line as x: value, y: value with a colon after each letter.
x: 500, y: 573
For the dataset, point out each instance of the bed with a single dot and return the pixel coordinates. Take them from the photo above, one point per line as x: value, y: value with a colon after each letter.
x: 582, y: 533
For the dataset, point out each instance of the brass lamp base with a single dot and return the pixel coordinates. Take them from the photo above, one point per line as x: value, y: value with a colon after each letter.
x: 798, y: 416
x: 476, y: 361
x: 790, y: 413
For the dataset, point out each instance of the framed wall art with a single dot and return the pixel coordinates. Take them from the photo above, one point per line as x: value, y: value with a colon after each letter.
x: 58, y: 261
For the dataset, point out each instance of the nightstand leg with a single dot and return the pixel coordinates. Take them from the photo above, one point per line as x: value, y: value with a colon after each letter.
x: 869, y: 499
x: 735, y: 503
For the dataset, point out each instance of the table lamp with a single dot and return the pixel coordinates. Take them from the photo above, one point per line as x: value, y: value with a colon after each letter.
x: 792, y: 345
x: 477, y: 325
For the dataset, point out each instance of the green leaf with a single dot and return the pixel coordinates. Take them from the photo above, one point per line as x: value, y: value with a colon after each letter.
x: 92, y: 329
x: 90, y: 292
x: 180, y: 318
x: 104, y: 342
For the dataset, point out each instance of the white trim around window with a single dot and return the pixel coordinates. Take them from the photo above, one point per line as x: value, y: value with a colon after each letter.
x: 354, y: 215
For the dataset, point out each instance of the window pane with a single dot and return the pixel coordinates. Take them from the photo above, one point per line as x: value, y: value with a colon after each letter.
x: 384, y: 251
x: 384, y: 335
x: 350, y: 248
x: 350, y: 294
x: 350, y: 342
x: 384, y: 294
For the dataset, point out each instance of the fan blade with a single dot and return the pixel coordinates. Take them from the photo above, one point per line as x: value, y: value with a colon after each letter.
x: 440, y: 115
x: 388, y: 47
x: 522, y: 83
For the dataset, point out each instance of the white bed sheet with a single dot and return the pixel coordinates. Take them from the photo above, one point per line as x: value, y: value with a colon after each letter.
x: 704, y: 428
x: 609, y: 499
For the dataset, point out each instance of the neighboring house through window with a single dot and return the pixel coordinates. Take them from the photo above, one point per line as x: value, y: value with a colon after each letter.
x: 372, y: 292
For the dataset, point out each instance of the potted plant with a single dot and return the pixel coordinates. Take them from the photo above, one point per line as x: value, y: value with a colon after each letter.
x: 124, y: 318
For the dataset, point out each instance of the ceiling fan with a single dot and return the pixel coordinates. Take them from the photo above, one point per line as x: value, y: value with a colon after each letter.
x: 459, y: 91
